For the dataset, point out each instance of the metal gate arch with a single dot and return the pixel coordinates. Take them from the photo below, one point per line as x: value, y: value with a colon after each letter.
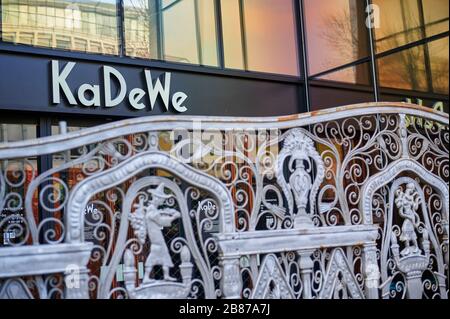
x: 395, y: 169
x: 124, y: 171
x: 80, y: 195
x: 350, y: 202
x: 391, y: 175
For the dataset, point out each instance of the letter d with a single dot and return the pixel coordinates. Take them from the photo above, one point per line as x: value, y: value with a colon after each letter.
x: 107, y: 71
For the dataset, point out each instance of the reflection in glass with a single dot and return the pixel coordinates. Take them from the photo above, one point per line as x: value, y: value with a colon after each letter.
x: 399, y: 23
x: 56, y: 129
x: 421, y: 68
x: 141, y: 26
x: 414, y: 20
x: 180, y: 38
x: 439, y: 56
x: 436, y: 16
x: 270, y: 36
x: 358, y: 74
x: 260, y: 35
x: 180, y: 31
x: 84, y: 25
x: 336, y: 33
x: 18, y: 173
x: 16, y: 132
x: 61, y: 158
x: 206, y: 32
x: 232, y: 35
x: 404, y: 70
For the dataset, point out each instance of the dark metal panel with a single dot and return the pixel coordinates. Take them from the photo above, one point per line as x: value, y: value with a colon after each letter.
x: 327, y: 96
x: 25, y: 84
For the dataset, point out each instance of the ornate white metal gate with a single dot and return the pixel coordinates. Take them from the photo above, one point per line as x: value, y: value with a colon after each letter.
x: 350, y: 202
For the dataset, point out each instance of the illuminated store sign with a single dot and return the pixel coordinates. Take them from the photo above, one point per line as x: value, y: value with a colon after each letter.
x: 89, y: 94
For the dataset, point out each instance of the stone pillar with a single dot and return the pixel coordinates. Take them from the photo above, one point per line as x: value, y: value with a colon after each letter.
x: 306, y: 269
x: 231, y: 279
x: 371, y: 271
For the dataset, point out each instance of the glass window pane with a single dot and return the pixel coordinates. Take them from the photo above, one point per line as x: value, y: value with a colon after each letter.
x: 207, y: 32
x: 404, y: 70
x: 269, y: 32
x: 336, y: 33
x: 422, y: 68
x: 436, y: 16
x: 19, y: 173
x: 180, y: 31
x: 60, y: 24
x: 232, y: 36
x: 439, y: 56
x: 414, y: 20
x: 180, y: 38
x: 16, y: 132
x: 141, y: 23
x: 270, y: 36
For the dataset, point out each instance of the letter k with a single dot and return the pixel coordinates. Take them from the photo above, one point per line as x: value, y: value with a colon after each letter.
x: 59, y: 80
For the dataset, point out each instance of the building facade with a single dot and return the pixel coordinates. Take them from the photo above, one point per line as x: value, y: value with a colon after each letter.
x: 299, y: 56
x: 69, y: 65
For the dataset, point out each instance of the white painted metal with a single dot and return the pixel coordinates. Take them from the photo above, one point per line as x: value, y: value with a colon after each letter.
x: 350, y: 202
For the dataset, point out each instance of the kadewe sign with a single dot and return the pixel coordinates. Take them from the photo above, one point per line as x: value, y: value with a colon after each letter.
x: 90, y: 94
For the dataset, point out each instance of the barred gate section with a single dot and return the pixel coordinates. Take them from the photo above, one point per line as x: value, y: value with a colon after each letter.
x: 349, y: 202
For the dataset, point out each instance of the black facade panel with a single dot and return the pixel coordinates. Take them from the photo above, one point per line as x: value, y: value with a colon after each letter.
x: 324, y: 97
x: 26, y: 85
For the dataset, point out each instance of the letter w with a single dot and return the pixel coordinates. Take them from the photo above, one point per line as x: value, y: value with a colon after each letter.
x: 154, y: 91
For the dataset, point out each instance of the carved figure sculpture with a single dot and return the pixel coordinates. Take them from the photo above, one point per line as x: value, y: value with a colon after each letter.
x: 407, y: 203
x: 149, y: 220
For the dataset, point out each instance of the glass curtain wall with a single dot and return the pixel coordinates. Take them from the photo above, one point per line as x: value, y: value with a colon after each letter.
x: 421, y: 29
x: 258, y: 35
x: 336, y: 38
x: 255, y: 35
x: 410, y: 46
